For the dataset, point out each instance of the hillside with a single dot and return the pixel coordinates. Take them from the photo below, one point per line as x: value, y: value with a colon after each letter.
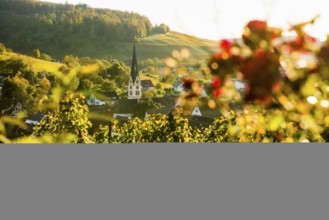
x: 160, y: 46
x: 64, y: 29
x: 36, y: 65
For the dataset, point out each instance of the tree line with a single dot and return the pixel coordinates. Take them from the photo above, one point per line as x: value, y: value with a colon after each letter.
x: 29, y: 24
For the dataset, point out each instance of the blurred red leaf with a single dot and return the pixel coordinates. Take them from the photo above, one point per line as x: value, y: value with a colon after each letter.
x: 256, y: 25
x: 216, y: 82
x: 217, y: 92
x: 226, y: 45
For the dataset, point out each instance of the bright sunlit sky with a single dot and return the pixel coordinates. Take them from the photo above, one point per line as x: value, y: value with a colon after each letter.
x: 216, y: 19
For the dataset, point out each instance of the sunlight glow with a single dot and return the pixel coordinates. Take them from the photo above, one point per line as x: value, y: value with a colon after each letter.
x: 325, y: 103
x: 302, y: 63
x: 312, y: 100
x: 216, y: 19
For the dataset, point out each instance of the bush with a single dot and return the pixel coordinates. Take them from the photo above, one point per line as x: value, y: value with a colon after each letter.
x: 2, y: 48
x: 148, y: 94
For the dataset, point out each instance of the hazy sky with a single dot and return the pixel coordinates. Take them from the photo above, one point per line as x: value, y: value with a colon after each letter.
x: 216, y: 19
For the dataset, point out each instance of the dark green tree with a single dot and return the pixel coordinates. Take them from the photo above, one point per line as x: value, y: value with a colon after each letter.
x: 11, y: 67
x: 85, y: 85
x: 118, y: 72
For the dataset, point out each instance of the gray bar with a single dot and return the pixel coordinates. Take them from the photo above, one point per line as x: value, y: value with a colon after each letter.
x: 164, y: 182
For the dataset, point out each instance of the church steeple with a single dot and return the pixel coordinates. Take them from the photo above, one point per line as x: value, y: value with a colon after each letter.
x: 134, y: 87
x: 134, y: 66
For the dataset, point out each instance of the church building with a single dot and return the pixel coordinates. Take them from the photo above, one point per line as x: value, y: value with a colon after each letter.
x: 134, y: 87
x: 130, y: 108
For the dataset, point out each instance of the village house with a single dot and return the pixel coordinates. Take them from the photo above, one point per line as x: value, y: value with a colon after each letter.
x: 178, y: 86
x: 147, y: 84
x: 10, y: 107
x: 202, y: 116
x: 33, y: 120
x: 97, y: 100
x: 101, y: 99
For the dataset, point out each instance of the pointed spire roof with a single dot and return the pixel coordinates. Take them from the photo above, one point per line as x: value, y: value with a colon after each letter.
x: 134, y: 66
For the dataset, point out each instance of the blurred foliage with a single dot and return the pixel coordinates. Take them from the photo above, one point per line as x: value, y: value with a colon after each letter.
x: 70, y: 118
x: 286, y: 83
x: 174, y: 128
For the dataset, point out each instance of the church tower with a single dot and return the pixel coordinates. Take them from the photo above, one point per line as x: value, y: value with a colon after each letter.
x: 134, y: 87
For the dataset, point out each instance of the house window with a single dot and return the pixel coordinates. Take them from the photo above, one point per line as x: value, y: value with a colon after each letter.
x: 131, y: 87
x: 131, y: 93
x: 137, y: 92
x: 137, y: 87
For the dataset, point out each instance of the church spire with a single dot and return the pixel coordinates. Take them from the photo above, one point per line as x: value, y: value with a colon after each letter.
x: 134, y: 67
x: 134, y: 87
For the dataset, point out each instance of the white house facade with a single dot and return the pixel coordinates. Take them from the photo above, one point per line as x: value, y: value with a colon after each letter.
x: 93, y: 100
x: 196, y: 111
x: 178, y: 87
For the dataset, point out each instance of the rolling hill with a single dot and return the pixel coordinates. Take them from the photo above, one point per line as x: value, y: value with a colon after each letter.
x: 160, y: 46
x: 79, y: 30
x: 36, y: 65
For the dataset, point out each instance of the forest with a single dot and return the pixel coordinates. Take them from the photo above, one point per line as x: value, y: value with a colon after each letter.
x: 61, y: 29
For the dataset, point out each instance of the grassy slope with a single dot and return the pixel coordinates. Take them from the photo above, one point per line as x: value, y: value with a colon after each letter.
x: 160, y: 46
x: 36, y: 65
